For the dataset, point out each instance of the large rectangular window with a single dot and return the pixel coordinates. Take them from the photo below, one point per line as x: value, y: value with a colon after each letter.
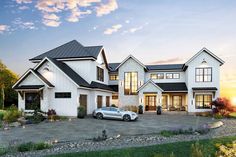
x: 100, y: 74
x: 99, y: 101
x: 113, y: 77
x: 131, y: 83
x: 177, y: 101
x: 63, y: 95
x: 172, y: 76
x: 203, y: 101
x: 203, y: 74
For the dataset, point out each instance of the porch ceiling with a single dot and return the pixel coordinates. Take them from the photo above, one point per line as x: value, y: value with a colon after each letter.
x: 29, y: 87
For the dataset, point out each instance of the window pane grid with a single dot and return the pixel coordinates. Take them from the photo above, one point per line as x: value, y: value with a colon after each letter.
x: 203, y: 101
x: 131, y: 83
x: 203, y: 74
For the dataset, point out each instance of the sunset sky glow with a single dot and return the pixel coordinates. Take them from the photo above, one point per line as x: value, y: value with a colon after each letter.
x: 154, y: 31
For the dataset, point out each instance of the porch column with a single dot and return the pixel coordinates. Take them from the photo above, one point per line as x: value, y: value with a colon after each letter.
x: 159, y: 99
x: 141, y: 99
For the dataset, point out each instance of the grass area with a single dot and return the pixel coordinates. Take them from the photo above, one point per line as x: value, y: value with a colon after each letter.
x: 179, y: 149
x: 232, y: 115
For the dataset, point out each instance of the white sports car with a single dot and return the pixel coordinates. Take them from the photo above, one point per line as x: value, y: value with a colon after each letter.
x: 114, y: 113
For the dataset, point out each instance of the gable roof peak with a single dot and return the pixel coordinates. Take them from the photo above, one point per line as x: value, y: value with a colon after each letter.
x: 135, y: 59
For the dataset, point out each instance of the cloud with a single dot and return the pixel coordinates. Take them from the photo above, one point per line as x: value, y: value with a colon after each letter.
x: 76, y: 14
x: 23, y: 24
x: 3, y: 28
x: 104, y: 9
x: 134, y: 29
x: 23, y: 1
x: 23, y: 7
x: 171, y: 60
x: 51, y: 23
x: 113, y: 29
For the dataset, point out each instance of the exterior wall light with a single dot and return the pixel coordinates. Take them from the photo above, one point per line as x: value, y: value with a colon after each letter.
x: 204, y: 63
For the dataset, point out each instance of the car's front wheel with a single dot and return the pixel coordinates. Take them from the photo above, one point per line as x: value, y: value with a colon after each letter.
x: 99, y: 116
x: 126, y: 117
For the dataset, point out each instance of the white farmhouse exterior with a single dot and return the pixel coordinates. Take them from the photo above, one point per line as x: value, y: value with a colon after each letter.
x: 74, y: 75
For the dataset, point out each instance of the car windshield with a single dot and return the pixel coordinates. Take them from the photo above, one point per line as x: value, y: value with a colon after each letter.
x: 113, y: 109
x: 121, y: 109
x: 105, y: 109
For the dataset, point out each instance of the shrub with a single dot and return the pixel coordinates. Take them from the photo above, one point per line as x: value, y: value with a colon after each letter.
x: 113, y: 105
x: 25, y: 147
x: 228, y: 150
x: 223, y: 106
x: 81, y: 112
x: 29, y: 146
x: 167, y: 133
x: 101, y: 138
x: 3, y: 151
x: 37, y: 117
x: 204, y: 114
x: 52, y: 115
x: 11, y: 114
x: 196, y: 150
x: 41, y: 146
x: 1, y: 115
x: 140, y: 109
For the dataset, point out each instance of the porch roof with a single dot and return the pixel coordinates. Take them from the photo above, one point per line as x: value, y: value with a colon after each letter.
x: 204, y: 88
x: 173, y: 87
x: 29, y: 87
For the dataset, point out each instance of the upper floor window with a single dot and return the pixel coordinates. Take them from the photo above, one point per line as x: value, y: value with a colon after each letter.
x: 131, y: 83
x: 203, y: 74
x: 100, y: 74
x: 113, y: 77
x: 172, y: 76
x: 157, y: 76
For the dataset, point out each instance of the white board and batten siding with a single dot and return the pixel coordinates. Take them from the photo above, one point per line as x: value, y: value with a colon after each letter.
x: 190, y: 79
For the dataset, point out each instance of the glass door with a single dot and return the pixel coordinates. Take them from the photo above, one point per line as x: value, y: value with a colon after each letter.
x: 150, y: 103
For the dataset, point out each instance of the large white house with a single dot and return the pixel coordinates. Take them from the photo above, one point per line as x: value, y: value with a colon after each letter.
x: 73, y: 75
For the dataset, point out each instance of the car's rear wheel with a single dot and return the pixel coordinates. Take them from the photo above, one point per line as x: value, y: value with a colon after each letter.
x: 99, y: 116
x: 126, y: 117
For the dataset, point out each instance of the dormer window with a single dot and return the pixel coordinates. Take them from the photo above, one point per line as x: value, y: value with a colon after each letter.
x: 113, y: 77
x: 203, y: 74
x: 100, y: 74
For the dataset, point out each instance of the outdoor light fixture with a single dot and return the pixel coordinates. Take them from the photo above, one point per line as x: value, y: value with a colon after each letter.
x: 204, y: 63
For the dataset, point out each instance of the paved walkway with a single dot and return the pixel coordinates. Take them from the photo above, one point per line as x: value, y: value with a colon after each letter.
x: 81, y: 129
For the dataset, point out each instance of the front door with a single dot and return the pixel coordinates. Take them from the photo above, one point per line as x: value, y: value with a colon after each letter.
x: 32, y: 101
x: 150, y: 103
x: 83, y: 101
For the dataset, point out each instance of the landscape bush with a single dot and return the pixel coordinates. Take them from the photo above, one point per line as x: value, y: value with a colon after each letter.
x: 81, y: 112
x: 52, y: 115
x: 1, y: 115
x: 113, y: 105
x: 223, y: 107
x: 169, y: 133
x: 227, y: 150
x: 11, y: 114
x: 29, y: 146
x: 37, y: 117
x: 196, y: 150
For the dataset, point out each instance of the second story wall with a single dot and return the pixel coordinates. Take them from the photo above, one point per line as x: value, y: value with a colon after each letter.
x: 166, y: 76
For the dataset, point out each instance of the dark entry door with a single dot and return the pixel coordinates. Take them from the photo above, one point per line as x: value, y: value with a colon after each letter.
x: 32, y: 101
x: 83, y: 101
x: 150, y: 103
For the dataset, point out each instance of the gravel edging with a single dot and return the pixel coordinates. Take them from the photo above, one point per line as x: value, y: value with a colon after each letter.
x: 114, y: 143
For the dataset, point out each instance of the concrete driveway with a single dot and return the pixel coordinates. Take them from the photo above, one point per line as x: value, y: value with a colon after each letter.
x: 82, y: 129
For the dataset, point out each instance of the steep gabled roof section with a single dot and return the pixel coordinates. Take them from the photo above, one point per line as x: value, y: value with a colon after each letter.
x: 35, y: 73
x: 135, y: 59
x: 72, y: 49
x: 100, y: 86
x: 173, y: 87
x: 150, y: 81
x: 208, y: 52
x: 112, y: 66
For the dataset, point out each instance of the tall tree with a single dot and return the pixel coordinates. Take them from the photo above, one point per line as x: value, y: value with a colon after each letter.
x: 7, y: 78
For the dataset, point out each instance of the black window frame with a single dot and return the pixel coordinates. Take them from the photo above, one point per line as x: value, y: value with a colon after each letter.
x: 62, y: 95
x: 31, y: 105
x: 203, y: 101
x: 203, y: 75
x: 131, y: 91
x: 100, y: 74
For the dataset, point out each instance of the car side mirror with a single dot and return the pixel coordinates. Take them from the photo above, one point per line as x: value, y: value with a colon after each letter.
x: 118, y: 111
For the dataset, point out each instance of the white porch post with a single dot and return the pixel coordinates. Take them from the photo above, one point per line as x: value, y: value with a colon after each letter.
x: 141, y: 100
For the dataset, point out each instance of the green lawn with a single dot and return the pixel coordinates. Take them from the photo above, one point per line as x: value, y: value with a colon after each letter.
x: 180, y: 149
x: 232, y: 115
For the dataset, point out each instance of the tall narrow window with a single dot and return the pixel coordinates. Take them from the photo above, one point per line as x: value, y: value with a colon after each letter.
x: 203, y: 101
x: 100, y: 74
x: 131, y: 83
x: 203, y: 74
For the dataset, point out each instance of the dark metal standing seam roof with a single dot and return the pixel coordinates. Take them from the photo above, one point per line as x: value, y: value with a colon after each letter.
x: 100, y: 86
x: 72, y: 49
x: 29, y: 87
x: 204, y: 88
x: 113, y: 67
x: 173, y: 86
x: 70, y: 73
x: 165, y: 67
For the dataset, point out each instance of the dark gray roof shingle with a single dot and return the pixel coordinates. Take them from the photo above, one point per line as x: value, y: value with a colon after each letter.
x: 113, y: 66
x: 72, y: 49
x: 173, y: 86
x: 114, y: 87
x: 204, y: 88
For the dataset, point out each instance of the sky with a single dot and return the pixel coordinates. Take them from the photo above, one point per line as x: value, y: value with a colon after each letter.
x: 154, y: 31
